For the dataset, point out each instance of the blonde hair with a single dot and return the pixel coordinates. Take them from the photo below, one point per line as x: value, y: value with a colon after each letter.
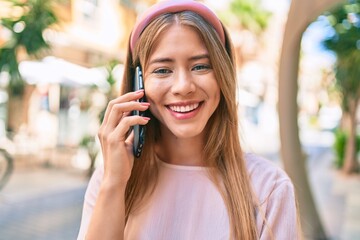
x: 223, y: 153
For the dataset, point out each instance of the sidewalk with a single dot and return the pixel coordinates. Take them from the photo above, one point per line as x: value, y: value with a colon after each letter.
x: 42, y: 203
x: 337, y: 196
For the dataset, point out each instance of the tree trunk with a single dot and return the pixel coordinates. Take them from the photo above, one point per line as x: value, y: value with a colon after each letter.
x: 301, y: 14
x: 15, y: 113
x: 18, y: 106
x: 351, y: 164
x: 292, y: 155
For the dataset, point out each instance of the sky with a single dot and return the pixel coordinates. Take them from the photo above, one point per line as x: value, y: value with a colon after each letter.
x: 313, y: 37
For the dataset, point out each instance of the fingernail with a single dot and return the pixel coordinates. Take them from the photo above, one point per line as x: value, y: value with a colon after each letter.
x: 139, y: 91
x: 145, y: 104
x: 146, y: 118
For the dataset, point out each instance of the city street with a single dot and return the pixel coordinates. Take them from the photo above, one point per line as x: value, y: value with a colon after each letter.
x: 61, y: 64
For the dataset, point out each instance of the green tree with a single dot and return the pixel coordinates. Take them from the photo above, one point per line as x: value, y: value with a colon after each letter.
x: 301, y: 14
x: 344, y: 20
x: 27, y: 39
x: 249, y: 18
x: 248, y: 15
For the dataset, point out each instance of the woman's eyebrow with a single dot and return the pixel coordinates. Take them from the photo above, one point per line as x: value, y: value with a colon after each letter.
x: 161, y: 60
x: 170, y: 60
x: 200, y: 56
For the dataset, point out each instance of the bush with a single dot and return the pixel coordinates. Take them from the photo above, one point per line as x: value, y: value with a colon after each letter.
x: 340, y: 145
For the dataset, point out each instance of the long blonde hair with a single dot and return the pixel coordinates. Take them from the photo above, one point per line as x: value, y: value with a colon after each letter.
x: 223, y: 153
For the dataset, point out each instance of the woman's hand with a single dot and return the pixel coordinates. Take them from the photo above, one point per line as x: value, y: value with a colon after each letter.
x: 116, y: 146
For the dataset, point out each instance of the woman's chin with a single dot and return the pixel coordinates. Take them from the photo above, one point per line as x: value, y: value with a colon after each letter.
x: 186, y: 133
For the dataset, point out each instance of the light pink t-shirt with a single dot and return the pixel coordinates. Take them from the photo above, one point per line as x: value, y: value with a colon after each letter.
x: 186, y: 205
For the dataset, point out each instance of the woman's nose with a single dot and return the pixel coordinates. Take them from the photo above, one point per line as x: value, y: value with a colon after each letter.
x: 183, y: 83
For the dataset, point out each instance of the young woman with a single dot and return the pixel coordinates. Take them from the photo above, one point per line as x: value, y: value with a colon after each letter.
x: 193, y: 180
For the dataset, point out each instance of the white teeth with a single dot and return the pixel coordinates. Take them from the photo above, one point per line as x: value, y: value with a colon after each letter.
x: 186, y: 108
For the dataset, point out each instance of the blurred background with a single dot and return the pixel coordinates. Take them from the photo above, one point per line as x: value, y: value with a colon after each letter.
x: 61, y: 61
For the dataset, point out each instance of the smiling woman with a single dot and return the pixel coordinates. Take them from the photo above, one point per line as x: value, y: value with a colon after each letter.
x: 180, y: 78
x: 192, y: 180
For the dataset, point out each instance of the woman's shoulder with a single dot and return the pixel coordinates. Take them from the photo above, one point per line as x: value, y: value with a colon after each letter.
x: 266, y: 177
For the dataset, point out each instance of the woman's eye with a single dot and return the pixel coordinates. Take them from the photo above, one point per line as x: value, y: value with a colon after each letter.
x: 162, y: 71
x: 201, y: 67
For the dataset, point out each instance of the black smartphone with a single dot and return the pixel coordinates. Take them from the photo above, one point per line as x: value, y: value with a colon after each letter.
x: 139, y: 130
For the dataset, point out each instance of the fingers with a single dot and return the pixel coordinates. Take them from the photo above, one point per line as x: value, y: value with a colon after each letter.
x: 125, y: 125
x: 131, y: 96
x: 122, y: 110
x: 118, y: 119
x: 112, y: 137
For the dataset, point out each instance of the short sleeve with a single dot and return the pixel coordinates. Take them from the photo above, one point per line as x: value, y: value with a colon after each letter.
x: 277, y: 216
x: 281, y: 213
x: 89, y: 201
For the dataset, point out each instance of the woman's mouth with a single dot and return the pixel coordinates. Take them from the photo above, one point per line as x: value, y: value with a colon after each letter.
x: 184, y: 108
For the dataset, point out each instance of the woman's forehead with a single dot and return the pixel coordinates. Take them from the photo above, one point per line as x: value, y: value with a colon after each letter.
x: 176, y: 40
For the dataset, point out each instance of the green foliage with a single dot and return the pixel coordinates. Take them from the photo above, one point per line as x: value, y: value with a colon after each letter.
x: 340, y: 145
x: 112, y: 81
x: 86, y: 141
x: 345, y: 43
x: 109, y: 68
x: 339, y: 148
x: 27, y: 33
x: 102, y: 115
x: 9, y: 64
x: 348, y: 77
x: 247, y: 14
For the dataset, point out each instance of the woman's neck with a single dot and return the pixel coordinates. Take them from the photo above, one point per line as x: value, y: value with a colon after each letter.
x: 184, y: 151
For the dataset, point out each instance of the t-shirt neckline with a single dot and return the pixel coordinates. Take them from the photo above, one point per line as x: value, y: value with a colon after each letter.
x: 181, y: 167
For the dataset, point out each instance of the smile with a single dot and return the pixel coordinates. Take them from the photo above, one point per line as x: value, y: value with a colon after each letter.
x: 184, y: 108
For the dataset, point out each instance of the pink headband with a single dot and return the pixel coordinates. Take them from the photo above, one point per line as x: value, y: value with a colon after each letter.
x: 173, y: 6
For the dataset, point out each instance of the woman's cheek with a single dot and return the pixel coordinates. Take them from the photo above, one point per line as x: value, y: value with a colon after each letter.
x: 153, y: 93
x: 150, y: 92
x: 154, y: 89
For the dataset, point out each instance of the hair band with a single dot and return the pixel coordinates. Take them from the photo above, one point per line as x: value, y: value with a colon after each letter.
x: 174, y: 6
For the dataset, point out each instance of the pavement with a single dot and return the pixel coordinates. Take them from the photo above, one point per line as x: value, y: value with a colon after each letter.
x: 336, y: 195
x: 41, y: 203
x: 45, y: 201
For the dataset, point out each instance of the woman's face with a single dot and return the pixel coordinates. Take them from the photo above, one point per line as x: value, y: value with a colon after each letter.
x: 180, y: 83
